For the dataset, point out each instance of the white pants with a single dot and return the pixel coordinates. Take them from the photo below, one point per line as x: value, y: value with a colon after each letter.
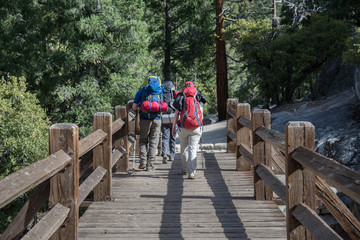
x: 189, y: 141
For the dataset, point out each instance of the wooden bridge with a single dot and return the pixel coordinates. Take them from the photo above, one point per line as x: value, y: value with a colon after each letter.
x: 235, y: 194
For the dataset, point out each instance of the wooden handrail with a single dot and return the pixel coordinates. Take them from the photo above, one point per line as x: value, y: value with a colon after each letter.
x: 314, y: 223
x: 298, y: 158
x: 91, y: 141
x: 247, y: 154
x: 270, y: 178
x: 62, y: 169
x: 338, y: 209
x: 117, y: 125
x: 91, y: 182
x: 245, y: 122
x: 274, y: 137
x: 278, y: 159
x: 49, y: 224
x: 117, y: 154
x: 27, y: 213
x: 342, y: 177
x: 232, y: 135
x: 232, y: 113
x: 27, y: 178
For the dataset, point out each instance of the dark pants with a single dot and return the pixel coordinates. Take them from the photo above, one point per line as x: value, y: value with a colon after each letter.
x: 149, y: 138
x: 168, y: 141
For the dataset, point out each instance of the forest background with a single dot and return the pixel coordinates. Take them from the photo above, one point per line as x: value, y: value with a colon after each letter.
x: 62, y: 61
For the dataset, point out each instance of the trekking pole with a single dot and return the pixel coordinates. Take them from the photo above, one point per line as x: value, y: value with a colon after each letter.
x: 202, y: 154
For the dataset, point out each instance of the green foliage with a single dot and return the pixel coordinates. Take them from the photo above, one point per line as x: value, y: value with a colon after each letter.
x: 78, y: 56
x: 23, y: 127
x: 282, y: 60
x: 352, y: 55
x: 23, y: 136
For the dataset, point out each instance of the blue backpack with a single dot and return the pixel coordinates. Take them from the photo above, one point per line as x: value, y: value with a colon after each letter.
x: 152, y: 102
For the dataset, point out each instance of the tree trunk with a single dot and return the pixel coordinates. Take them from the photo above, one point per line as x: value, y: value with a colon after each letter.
x: 221, y: 64
x: 167, y: 64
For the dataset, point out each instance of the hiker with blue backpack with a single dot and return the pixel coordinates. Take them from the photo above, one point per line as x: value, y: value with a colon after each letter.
x: 149, y: 98
x: 188, y: 105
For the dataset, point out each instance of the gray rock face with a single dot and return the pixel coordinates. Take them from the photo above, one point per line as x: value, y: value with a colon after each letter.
x: 337, y: 131
x: 337, y: 126
x: 210, y: 119
x: 357, y: 82
x: 334, y: 78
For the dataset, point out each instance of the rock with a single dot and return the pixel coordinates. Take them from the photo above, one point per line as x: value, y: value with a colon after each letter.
x: 334, y: 77
x: 210, y: 119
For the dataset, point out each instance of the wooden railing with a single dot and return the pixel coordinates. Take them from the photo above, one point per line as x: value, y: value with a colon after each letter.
x: 56, y: 177
x: 307, y: 173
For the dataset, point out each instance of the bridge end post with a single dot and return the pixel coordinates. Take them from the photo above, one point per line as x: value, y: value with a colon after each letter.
x: 300, y: 182
x: 230, y: 124
x: 102, y: 155
x: 261, y: 153
x: 64, y: 186
x: 243, y: 136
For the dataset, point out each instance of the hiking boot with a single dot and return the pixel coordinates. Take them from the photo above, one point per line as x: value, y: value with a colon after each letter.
x: 142, y: 166
x: 191, y: 176
x: 150, y: 168
x: 165, y: 160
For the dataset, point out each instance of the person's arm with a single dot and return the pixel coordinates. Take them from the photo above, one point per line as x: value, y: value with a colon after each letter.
x: 174, y: 123
x: 136, y: 102
x: 135, y: 106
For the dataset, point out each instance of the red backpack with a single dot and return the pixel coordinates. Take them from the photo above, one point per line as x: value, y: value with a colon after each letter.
x: 191, y: 115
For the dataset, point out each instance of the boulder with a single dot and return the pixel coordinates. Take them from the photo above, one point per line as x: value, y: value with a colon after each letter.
x: 210, y: 119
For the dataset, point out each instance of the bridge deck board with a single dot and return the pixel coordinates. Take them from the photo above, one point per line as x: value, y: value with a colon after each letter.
x: 164, y: 204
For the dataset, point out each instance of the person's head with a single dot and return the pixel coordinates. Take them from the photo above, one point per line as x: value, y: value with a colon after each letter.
x: 189, y: 84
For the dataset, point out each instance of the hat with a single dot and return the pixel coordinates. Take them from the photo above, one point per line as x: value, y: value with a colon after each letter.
x: 189, y: 84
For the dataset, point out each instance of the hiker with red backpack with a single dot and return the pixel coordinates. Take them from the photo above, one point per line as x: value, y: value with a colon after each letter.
x: 188, y: 105
x: 150, y: 100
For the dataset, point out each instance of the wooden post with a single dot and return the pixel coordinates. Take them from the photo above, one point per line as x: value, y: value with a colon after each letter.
x: 121, y: 112
x: 231, y: 124
x: 64, y: 186
x: 102, y: 155
x: 243, y: 136
x: 261, y: 153
x: 300, y: 183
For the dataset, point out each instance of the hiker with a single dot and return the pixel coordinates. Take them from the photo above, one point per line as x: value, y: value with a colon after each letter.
x: 150, y: 100
x: 168, y: 140
x: 189, y: 105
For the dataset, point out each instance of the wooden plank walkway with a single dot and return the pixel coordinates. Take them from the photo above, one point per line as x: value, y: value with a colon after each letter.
x: 164, y: 204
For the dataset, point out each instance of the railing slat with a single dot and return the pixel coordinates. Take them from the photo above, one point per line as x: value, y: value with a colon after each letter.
x: 28, y: 211
x: 338, y: 209
x: 117, y: 125
x: 25, y: 179
x: 117, y: 154
x: 49, y: 224
x: 232, y: 113
x: 90, y: 182
x: 91, y: 141
x: 274, y: 137
x: 278, y: 159
x: 245, y: 122
x: 247, y: 154
x: 232, y: 135
x: 85, y: 163
x: 340, y: 176
x: 272, y: 181
x: 314, y: 223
